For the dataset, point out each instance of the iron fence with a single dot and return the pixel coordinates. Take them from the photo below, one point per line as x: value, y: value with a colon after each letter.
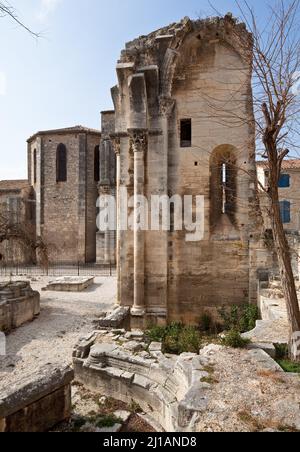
x: 57, y: 269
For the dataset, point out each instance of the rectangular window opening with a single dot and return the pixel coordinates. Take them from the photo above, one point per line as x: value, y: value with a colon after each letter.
x: 284, y: 181
x: 285, y: 210
x: 186, y: 133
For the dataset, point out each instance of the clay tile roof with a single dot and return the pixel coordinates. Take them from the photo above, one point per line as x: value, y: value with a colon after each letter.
x: 73, y: 129
x: 286, y: 165
x: 13, y: 185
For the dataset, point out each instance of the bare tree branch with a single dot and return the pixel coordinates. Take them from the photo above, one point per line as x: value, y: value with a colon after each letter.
x: 7, y: 10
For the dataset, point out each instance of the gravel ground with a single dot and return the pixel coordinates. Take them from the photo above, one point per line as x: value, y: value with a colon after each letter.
x: 246, y: 397
x: 64, y: 318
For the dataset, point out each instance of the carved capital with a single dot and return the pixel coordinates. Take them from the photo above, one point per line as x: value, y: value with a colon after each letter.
x: 166, y: 106
x: 116, y: 142
x: 139, y: 139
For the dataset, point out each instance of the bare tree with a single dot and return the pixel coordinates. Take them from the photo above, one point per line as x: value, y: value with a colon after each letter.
x: 8, y: 10
x: 22, y: 234
x: 276, y: 65
x: 274, y: 50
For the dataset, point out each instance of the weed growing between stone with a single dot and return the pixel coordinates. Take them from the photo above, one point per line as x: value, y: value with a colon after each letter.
x: 240, y: 318
x: 176, y: 338
x: 282, y: 358
x: 234, y: 339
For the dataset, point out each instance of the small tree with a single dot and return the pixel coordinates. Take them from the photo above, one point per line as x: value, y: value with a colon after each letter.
x: 23, y: 234
x: 274, y: 53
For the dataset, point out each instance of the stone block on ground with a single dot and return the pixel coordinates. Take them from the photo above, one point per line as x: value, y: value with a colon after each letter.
x: 38, y: 402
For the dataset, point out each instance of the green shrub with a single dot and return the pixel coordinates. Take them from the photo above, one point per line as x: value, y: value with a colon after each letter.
x: 249, y: 316
x: 104, y: 421
x: 189, y: 340
x: 78, y: 423
x: 234, y: 339
x: 171, y: 345
x: 282, y: 351
x: 156, y: 333
x: 289, y: 366
x: 208, y: 325
x: 206, y: 322
x: 176, y: 338
x: 239, y: 318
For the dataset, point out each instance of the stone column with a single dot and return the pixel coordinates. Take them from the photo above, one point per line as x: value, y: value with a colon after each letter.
x: 139, y: 144
x: 166, y: 107
x: 116, y: 141
x: 106, y: 242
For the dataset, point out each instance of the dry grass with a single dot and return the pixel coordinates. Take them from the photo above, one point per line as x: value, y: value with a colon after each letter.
x: 257, y: 425
x: 274, y: 376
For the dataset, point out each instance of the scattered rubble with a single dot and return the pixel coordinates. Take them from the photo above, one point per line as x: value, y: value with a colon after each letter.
x: 19, y: 304
x: 209, y: 391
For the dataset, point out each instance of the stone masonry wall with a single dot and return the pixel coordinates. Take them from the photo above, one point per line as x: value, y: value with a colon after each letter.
x: 188, y: 71
x: 66, y: 211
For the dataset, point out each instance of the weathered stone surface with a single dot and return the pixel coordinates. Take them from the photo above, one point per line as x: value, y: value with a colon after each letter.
x: 155, y: 347
x: 69, y: 284
x: 143, y: 382
x: 114, y: 319
x: 160, y: 94
x: 102, y: 350
x: 76, y: 196
x: 19, y: 304
x: 37, y: 403
x: 135, y: 335
x: 133, y: 346
x: 264, y: 361
x: 190, y: 393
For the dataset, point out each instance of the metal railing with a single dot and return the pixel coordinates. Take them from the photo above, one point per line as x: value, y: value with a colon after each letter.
x: 57, y: 269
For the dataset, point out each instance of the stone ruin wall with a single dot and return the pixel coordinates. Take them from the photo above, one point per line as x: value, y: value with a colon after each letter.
x: 17, y: 206
x: 170, y: 75
x: 66, y: 211
x: 38, y: 402
x: 19, y: 304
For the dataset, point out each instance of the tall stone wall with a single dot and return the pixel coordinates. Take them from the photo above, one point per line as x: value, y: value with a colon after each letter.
x: 17, y: 208
x: 191, y: 71
x: 66, y: 211
x: 106, y: 240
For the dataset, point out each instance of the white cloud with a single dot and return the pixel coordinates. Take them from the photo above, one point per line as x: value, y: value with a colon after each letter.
x: 2, y: 84
x: 46, y: 8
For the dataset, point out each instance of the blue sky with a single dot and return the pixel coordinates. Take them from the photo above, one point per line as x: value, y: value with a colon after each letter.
x: 64, y: 78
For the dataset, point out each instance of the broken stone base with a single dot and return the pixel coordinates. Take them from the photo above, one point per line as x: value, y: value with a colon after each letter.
x: 118, y: 318
x: 69, y: 284
x: 37, y: 403
x: 122, y: 366
x: 19, y: 304
x: 219, y: 389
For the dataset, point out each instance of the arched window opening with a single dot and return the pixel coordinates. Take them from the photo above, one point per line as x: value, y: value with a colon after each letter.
x: 97, y: 164
x: 61, y: 163
x: 223, y: 189
x: 229, y: 188
x: 34, y: 167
